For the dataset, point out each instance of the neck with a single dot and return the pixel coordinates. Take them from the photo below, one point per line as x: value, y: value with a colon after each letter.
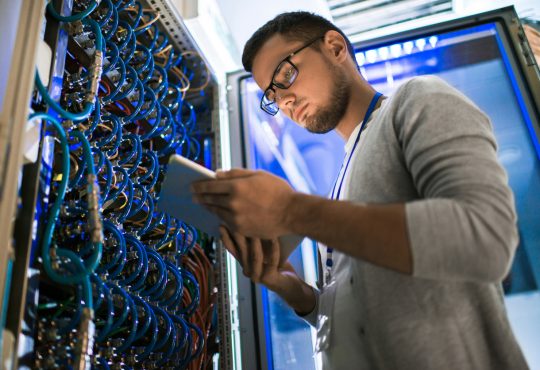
x: 361, y: 94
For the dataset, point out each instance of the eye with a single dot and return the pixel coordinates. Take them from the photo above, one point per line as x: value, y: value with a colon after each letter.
x: 285, y: 75
x: 289, y: 73
x: 269, y: 95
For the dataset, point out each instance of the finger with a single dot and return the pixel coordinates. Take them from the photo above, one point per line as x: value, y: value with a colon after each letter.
x: 234, y: 173
x: 271, y: 252
x: 287, y: 266
x: 275, y: 253
x: 243, y: 252
x: 228, y: 242
x: 257, y: 259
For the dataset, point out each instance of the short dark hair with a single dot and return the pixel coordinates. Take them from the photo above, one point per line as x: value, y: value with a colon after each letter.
x: 297, y: 26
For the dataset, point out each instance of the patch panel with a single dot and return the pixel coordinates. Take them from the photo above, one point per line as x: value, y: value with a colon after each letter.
x: 121, y: 284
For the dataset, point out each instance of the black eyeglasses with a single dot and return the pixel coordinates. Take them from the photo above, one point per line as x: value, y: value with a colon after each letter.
x: 284, y: 76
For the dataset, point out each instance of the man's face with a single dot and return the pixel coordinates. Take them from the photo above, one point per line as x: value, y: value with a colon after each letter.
x: 318, y: 98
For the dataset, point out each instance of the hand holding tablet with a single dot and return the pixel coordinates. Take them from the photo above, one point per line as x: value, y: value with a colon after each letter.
x: 176, y: 200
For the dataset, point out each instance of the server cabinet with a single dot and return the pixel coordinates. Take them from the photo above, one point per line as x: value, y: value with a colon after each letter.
x: 101, y: 277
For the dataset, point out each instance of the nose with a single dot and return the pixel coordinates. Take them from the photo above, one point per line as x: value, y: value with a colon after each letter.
x: 285, y: 99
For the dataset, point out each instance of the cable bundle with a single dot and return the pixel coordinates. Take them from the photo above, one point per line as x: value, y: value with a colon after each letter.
x: 136, y: 285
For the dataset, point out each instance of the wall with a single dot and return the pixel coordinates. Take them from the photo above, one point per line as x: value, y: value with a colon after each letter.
x: 244, y: 17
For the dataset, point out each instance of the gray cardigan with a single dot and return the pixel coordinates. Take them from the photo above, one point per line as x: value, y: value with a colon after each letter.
x: 431, y: 148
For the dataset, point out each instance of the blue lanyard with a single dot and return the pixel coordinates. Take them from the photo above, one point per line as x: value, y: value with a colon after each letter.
x: 371, y: 107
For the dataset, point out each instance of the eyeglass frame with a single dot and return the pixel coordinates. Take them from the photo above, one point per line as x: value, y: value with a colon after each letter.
x: 279, y: 86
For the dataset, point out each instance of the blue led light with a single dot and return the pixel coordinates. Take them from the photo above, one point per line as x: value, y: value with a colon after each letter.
x: 408, y: 47
x: 383, y: 52
x: 433, y: 41
x: 371, y: 55
x: 420, y: 44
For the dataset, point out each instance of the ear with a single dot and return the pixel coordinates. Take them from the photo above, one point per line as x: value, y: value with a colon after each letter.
x: 336, y: 46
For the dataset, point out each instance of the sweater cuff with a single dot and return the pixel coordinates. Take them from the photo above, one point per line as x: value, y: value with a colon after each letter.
x: 311, y: 317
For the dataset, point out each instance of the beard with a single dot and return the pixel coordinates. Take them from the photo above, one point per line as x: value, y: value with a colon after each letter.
x: 326, y: 119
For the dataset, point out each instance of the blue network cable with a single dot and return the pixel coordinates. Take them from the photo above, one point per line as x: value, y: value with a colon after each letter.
x: 168, y: 327
x: 72, y: 18
x: 138, y: 267
x: 144, y: 325
x: 193, y: 286
x: 110, y: 10
x: 118, y: 254
x: 114, y: 26
x: 125, y: 307
x: 176, y: 295
x: 160, y: 273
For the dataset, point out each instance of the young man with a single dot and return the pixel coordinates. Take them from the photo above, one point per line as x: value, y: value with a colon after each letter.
x: 421, y: 222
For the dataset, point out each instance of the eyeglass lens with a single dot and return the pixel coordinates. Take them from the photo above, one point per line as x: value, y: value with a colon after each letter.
x: 284, y: 77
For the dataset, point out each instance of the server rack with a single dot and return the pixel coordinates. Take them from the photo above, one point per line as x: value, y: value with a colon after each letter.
x: 101, y: 278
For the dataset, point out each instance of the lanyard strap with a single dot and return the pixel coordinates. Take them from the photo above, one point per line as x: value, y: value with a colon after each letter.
x: 371, y: 108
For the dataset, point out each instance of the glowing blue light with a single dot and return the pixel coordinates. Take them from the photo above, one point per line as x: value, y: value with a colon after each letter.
x: 420, y: 44
x: 433, y: 41
x: 360, y: 58
x: 408, y: 46
x: 371, y: 56
x: 383, y: 53
x: 395, y: 50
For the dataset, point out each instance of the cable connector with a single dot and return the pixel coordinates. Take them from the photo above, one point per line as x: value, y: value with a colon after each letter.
x: 85, y: 341
x: 95, y: 225
x: 55, y: 263
x: 95, y: 74
x: 67, y: 124
x: 74, y: 28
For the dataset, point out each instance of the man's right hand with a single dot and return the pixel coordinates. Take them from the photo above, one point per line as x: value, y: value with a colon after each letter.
x: 260, y: 263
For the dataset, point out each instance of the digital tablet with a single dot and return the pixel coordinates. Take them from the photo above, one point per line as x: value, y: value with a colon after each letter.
x: 176, y: 197
x: 176, y: 200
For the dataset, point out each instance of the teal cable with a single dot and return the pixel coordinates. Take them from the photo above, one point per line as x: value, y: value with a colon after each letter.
x: 97, y: 32
x: 73, y: 17
x: 55, y: 209
x: 75, y: 117
x: 87, y: 151
x: 53, y: 215
x: 76, y: 260
x: 95, y: 225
